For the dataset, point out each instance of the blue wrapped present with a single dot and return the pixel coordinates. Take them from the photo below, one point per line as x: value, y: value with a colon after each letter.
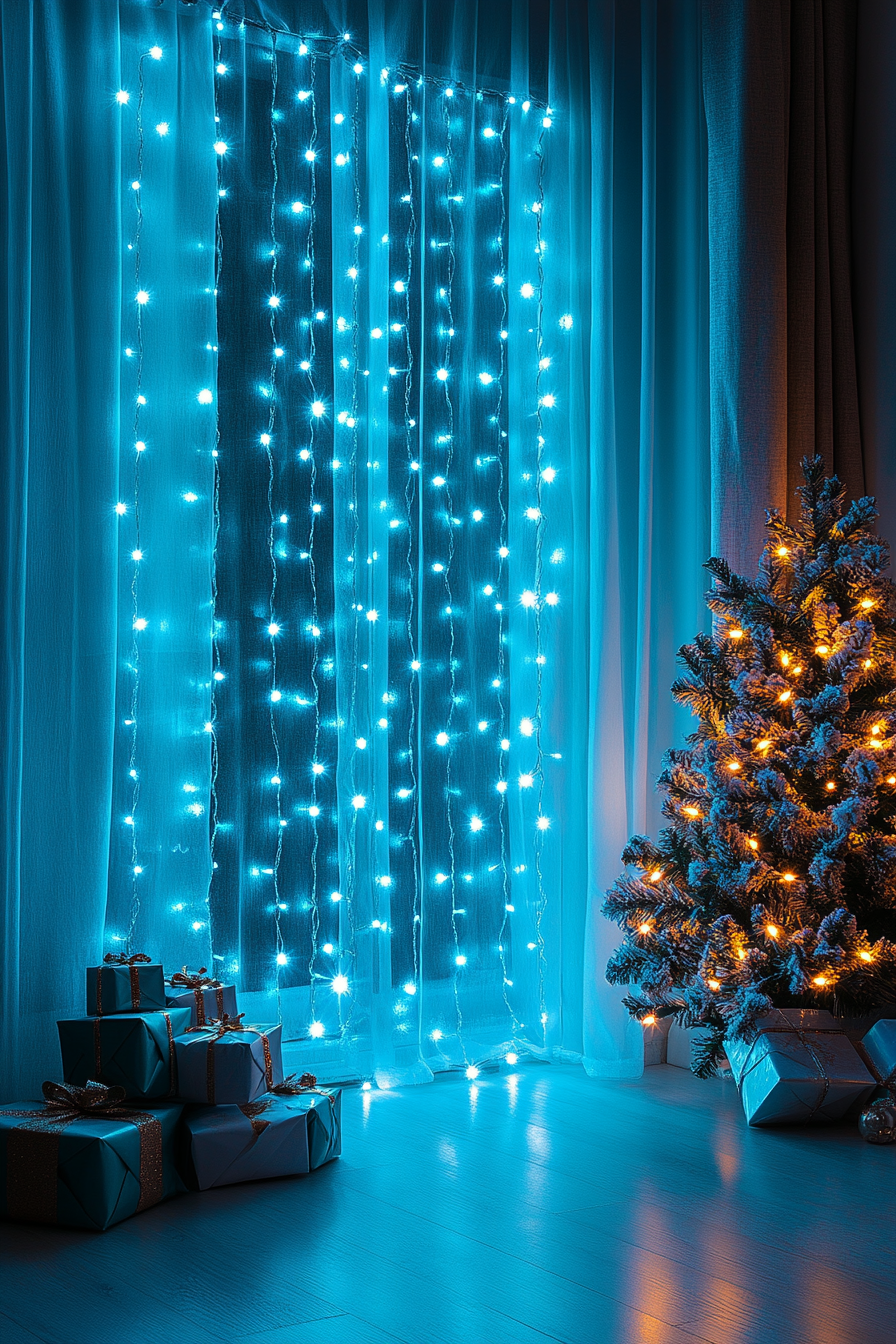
x: 208, y: 998
x: 85, y: 1158
x: 227, y: 1062
x: 799, y: 1067
x: 124, y: 984
x: 286, y: 1133
x: 131, y: 1050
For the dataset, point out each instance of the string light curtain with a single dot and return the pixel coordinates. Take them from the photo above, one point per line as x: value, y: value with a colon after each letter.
x: 345, y: 584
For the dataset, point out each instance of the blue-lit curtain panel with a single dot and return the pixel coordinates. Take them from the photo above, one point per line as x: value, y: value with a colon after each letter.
x: 345, y: 588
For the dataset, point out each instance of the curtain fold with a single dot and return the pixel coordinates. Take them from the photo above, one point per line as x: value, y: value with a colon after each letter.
x: 780, y: 83
x: 59, y: 350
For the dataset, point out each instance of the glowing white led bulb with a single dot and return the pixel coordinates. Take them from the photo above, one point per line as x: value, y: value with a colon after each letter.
x: 339, y: 984
x: 476, y: 823
x: 205, y: 397
x: 122, y: 96
x: 220, y: 147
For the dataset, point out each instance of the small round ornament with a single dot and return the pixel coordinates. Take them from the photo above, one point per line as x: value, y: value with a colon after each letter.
x: 877, y: 1124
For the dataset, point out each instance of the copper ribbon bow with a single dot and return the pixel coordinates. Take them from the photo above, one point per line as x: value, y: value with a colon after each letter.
x: 197, y: 983
x: 122, y: 959
x: 189, y: 980
x: 32, y: 1159
x: 288, y: 1088
x: 307, y: 1083
x: 222, y: 1027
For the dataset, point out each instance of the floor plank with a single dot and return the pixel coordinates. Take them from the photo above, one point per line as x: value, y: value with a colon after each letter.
x: 339, y: 1330
x: 526, y: 1208
x: 13, y: 1333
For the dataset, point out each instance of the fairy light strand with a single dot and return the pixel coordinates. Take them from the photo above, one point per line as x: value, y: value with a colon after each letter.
x: 410, y: 501
x: 539, y: 568
x: 136, y: 619
x: 217, y: 672
x: 275, y: 692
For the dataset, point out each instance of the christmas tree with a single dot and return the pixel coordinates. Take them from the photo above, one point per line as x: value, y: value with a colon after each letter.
x: 774, y: 884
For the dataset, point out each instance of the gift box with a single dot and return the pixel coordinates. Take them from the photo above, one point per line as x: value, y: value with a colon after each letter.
x: 879, y: 1049
x: 283, y: 1134
x: 227, y: 1062
x: 125, y: 984
x: 130, y: 1050
x: 85, y: 1158
x: 798, y: 1068
x: 207, y: 998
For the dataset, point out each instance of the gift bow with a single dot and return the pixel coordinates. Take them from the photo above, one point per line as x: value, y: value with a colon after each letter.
x: 220, y: 1026
x: 198, y: 981
x: 122, y: 958
x: 288, y: 1088
x: 88, y: 1100
x: 307, y: 1083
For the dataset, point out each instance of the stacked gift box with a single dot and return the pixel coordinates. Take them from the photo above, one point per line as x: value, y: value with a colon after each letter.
x: 166, y: 1087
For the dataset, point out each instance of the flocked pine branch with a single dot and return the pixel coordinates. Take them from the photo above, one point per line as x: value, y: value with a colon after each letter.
x: 774, y: 883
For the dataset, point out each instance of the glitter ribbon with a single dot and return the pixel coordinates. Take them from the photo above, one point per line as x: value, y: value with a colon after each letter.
x: 792, y: 1029
x: 122, y: 959
x: 197, y: 983
x: 32, y: 1157
x: 221, y: 1027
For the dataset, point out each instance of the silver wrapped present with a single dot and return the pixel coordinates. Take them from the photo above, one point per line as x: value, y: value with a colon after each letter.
x: 879, y: 1047
x: 798, y: 1068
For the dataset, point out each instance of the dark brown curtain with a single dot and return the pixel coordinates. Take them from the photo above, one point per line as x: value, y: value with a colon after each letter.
x: 780, y: 94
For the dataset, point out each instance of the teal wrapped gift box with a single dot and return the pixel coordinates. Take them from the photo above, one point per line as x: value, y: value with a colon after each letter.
x: 83, y: 1158
x: 123, y: 984
x: 228, y: 1062
x: 130, y: 1050
x: 274, y: 1136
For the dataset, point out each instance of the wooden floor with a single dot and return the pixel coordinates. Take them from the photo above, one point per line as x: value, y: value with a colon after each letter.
x: 536, y: 1206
